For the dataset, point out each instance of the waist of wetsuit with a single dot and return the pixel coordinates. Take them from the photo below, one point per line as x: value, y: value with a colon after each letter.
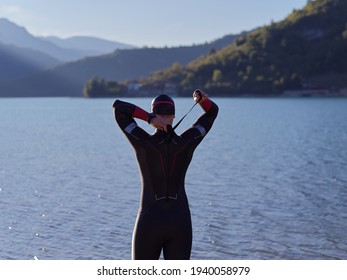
x: 165, y: 207
x: 171, y: 196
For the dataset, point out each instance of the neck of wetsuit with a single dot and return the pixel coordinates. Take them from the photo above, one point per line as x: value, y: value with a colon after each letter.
x: 170, y: 133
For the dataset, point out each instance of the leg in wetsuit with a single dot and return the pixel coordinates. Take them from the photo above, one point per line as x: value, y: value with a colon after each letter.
x: 164, y: 228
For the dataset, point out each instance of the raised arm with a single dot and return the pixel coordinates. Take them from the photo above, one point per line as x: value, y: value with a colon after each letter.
x: 205, y: 122
x: 125, y: 113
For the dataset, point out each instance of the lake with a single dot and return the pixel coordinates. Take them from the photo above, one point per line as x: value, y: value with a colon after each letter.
x: 268, y: 182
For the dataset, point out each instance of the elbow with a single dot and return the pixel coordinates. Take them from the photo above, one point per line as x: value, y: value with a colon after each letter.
x: 123, y: 109
x: 217, y: 109
x: 116, y: 108
x: 120, y: 107
x: 214, y: 110
x: 116, y: 104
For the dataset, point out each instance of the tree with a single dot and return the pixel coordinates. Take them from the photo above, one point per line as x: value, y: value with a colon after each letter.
x: 217, y: 75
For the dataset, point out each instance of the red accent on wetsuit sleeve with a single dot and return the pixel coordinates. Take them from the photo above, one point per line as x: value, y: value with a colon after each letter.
x: 206, y: 105
x: 140, y: 114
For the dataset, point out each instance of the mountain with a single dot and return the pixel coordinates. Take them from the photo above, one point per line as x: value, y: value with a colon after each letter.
x: 307, y: 51
x: 12, y: 34
x: 70, y: 49
x: 69, y: 79
x: 91, y: 46
x: 23, y: 55
x: 17, y: 62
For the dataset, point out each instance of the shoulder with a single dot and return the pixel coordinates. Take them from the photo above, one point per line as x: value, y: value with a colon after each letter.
x: 194, y: 132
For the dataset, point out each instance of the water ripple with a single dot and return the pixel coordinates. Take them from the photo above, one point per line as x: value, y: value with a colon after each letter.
x: 268, y: 182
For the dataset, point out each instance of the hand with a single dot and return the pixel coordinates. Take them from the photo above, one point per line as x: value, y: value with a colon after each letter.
x: 159, y: 123
x: 199, y: 96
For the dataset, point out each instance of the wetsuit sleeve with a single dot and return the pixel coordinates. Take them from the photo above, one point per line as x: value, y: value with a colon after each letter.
x: 125, y: 113
x: 206, y: 120
x: 203, y: 125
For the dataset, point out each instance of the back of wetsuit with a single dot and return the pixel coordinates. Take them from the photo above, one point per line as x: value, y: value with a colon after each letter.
x: 164, y: 216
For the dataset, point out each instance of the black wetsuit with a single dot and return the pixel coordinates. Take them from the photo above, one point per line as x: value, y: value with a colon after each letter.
x: 163, y: 221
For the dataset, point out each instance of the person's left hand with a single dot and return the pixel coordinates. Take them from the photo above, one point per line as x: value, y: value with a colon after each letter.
x: 159, y: 123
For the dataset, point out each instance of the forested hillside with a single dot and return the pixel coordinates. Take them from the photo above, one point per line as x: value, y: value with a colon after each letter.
x: 307, y: 50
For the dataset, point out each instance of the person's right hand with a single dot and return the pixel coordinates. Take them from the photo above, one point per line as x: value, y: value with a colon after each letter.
x: 199, y: 96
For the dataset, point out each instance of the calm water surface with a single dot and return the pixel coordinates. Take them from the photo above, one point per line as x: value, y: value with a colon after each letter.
x: 268, y: 182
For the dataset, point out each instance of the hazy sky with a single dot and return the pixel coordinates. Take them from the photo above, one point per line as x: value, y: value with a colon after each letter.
x: 146, y: 22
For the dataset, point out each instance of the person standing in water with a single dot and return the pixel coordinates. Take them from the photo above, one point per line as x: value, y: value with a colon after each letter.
x: 163, y: 221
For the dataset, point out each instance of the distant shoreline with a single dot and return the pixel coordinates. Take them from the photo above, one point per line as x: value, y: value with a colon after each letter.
x: 315, y: 93
x: 307, y: 93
